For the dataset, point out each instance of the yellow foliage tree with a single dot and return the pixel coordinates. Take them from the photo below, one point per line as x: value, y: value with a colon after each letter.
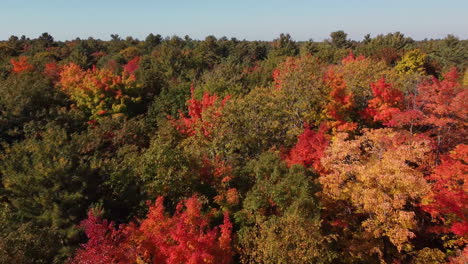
x: 412, y: 62
x: 379, y: 175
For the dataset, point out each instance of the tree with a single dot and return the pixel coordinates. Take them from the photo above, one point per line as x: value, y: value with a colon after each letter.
x: 99, y: 91
x: 378, y: 179
x: 27, y: 97
x: 386, y: 103
x: 284, y: 46
x: 45, y: 40
x: 48, y: 186
x: 152, y: 41
x: 341, y: 101
x: 451, y: 53
x: 21, y: 65
x: 338, y: 40
x: 447, y: 201
x: 412, y: 62
x: 439, y: 109
x: 309, y: 148
x: 281, y: 215
x: 185, y: 237
x: 201, y: 114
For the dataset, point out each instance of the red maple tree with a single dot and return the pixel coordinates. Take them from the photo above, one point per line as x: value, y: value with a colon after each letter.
x: 309, y: 149
x: 106, y: 244
x: 386, y: 103
x: 449, y: 194
x: 52, y: 71
x: 439, y: 109
x: 201, y: 114
x: 185, y: 237
x: 132, y: 65
x: 279, y: 73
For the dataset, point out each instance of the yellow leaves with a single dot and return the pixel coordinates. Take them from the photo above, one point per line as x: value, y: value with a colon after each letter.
x: 412, y: 63
x: 378, y: 173
x: 428, y: 256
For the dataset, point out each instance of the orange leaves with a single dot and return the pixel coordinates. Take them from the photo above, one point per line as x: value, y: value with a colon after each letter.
x: 185, y: 237
x: 71, y: 76
x: 341, y: 101
x: 219, y: 175
x: 378, y: 174
x: 441, y: 108
x: 201, y: 114
x: 99, y: 91
x: 21, y: 65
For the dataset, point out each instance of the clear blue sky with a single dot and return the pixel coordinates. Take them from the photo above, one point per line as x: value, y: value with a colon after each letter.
x: 249, y: 19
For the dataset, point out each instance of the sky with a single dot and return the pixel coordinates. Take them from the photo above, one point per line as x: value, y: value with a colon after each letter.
x: 243, y: 19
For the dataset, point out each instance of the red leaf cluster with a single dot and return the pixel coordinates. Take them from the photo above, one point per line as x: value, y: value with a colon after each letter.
x: 186, y: 237
x: 105, y: 243
x: 352, y: 58
x: 386, y: 103
x: 309, y: 149
x: 21, y: 65
x: 449, y: 194
x: 132, y: 65
x: 279, y: 73
x: 201, y: 114
x: 52, y: 71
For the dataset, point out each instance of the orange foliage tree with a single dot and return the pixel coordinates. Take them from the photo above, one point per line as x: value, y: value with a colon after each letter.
x: 21, y: 64
x: 341, y: 102
x: 377, y: 175
x: 99, y: 91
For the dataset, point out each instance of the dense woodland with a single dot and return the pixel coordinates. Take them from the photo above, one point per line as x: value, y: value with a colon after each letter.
x: 174, y: 150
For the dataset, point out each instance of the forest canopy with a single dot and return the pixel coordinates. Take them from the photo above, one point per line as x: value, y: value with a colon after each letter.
x: 175, y: 150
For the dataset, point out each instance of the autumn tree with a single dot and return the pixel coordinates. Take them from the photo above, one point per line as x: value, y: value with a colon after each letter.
x: 309, y: 149
x: 412, y: 62
x: 185, y: 237
x: 439, y: 109
x: 341, y: 102
x: 378, y: 177
x: 387, y: 102
x: 447, y: 201
x: 99, y: 91
x: 200, y: 114
x: 21, y: 65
